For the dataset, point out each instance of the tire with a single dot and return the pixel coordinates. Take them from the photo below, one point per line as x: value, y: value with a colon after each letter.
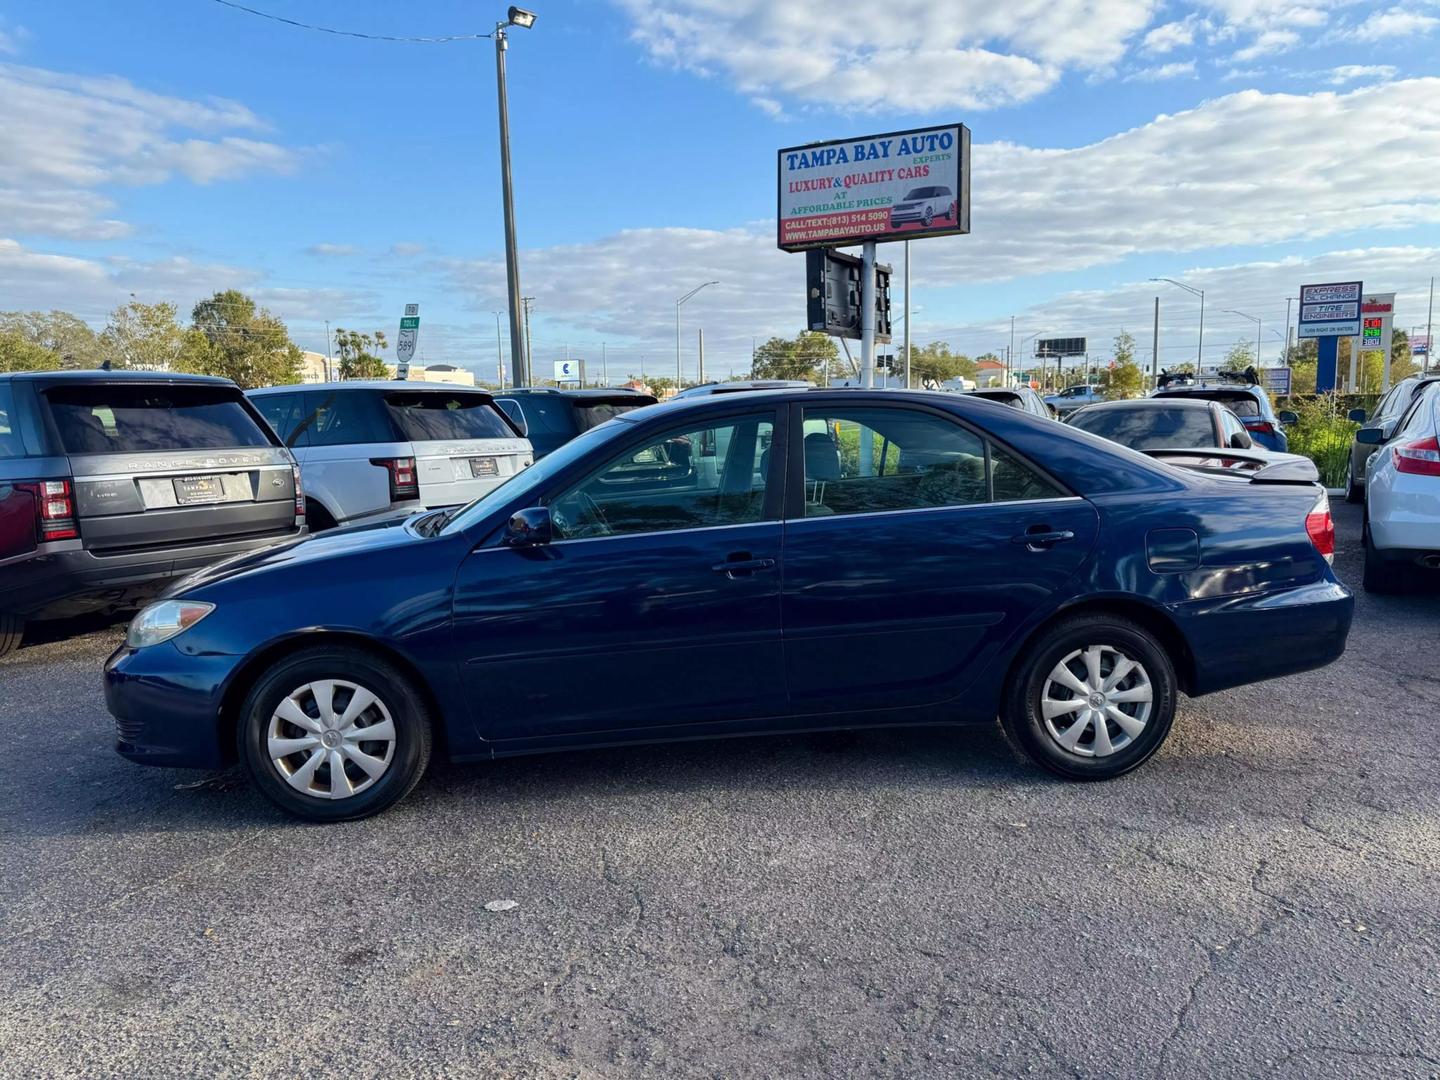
x: 928, y: 216
x: 1381, y: 575
x: 402, y: 751
x: 1091, y: 755
x: 12, y: 629
x: 1354, y: 493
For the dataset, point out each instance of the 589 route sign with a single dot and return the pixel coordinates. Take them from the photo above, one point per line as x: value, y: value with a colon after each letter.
x: 405, y: 343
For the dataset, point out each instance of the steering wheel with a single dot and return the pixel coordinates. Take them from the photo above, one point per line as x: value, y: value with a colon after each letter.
x: 589, y: 519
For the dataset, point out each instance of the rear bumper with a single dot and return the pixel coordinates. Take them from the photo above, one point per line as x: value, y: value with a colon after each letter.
x: 1239, y: 640
x: 56, y: 583
x: 167, y: 706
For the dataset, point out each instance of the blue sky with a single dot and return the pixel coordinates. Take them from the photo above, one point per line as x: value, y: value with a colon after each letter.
x: 180, y: 146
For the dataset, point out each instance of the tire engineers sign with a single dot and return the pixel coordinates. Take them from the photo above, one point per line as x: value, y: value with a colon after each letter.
x: 1330, y: 310
x: 405, y: 343
x: 899, y: 186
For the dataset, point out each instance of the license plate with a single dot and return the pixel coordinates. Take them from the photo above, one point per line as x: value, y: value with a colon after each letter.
x: 191, y: 490
x: 483, y: 466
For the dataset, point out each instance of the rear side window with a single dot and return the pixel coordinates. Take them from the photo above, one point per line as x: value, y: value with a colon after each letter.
x: 10, y: 443
x: 118, y: 419
x: 1149, y: 428
x: 427, y: 417
x: 346, y: 418
x: 283, y: 412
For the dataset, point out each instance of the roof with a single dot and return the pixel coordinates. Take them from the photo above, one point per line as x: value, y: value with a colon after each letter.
x: 374, y: 384
x: 98, y: 375
x: 1164, y: 401
x: 587, y: 392
x: 989, y: 364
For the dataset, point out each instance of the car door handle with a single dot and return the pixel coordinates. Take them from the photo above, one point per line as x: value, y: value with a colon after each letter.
x: 1040, y: 538
x: 731, y: 567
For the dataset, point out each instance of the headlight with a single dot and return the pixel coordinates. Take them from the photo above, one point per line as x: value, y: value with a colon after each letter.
x: 162, y: 621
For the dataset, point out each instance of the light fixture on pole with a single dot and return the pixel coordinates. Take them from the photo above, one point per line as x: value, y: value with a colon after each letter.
x: 519, y: 356
x: 678, y: 303
x: 1200, y: 344
x: 1256, y: 321
x: 1025, y: 341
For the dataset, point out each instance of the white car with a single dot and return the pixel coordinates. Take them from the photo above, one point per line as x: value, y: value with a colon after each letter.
x: 923, y: 204
x: 370, y: 449
x: 1402, y: 496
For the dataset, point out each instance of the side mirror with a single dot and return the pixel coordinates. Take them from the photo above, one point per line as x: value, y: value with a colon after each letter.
x: 1287, y: 417
x: 1370, y: 436
x: 1356, y: 416
x: 529, y: 527
x: 1239, y: 442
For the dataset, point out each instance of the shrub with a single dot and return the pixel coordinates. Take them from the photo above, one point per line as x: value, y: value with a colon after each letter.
x: 1324, y: 436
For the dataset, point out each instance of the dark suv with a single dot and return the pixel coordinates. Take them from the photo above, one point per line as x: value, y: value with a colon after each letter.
x: 113, y: 484
x: 550, y: 418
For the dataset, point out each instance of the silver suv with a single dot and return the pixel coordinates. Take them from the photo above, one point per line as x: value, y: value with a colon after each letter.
x: 368, y: 449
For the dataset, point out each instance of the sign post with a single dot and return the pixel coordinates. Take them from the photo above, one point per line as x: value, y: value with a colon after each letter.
x: 1329, y: 312
x: 405, y: 343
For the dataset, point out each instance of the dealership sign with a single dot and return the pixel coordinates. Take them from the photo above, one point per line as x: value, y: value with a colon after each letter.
x: 899, y: 186
x: 1330, y: 310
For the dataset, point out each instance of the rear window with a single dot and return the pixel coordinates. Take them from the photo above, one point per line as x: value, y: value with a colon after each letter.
x: 119, y: 419
x: 1149, y: 429
x: 427, y: 417
x: 1242, y: 405
x: 589, y: 415
x: 10, y: 444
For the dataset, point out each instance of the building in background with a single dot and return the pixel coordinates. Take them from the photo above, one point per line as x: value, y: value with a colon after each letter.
x: 438, y: 373
x: 313, y: 367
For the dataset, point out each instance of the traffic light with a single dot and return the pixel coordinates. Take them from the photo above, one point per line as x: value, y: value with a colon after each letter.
x: 833, y: 291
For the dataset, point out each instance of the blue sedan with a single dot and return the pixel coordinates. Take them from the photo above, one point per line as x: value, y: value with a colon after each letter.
x: 777, y: 561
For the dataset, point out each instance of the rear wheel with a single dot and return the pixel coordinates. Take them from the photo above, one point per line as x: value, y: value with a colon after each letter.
x: 334, y: 734
x: 12, y: 629
x: 1354, y: 493
x: 1381, y: 575
x: 1094, y: 699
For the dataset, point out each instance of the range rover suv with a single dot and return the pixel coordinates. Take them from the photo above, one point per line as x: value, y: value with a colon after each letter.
x: 114, y: 484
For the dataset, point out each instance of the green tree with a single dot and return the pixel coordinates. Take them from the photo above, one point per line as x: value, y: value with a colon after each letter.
x: 357, y: 361
x: 659, y: 385
x: 1123, y: 377
x: 808, y: 356
x: 67, y: 336
x: 144, y: 336
x: 934, y: 363
x: 234, y: 338
x: 19, y: 353
x: 1240, y: 356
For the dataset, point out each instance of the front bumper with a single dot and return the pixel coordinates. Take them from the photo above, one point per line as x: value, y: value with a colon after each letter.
x: 1235, y: 640
x: 166, y: 706
x: 68, y: 580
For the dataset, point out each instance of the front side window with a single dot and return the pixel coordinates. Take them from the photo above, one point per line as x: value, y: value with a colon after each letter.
x: 669, y: 484
x: 116, y: 419
x: 868, y: 460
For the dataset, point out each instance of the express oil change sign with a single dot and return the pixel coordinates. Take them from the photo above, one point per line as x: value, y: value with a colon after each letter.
x: 898, y: 186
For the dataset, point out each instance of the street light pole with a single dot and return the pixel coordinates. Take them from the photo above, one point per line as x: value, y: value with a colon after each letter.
x: 499, y: 354
x: 678, y: 304
x: 519, y: 357
x: 1200, y: 345
x: 1256, y: 321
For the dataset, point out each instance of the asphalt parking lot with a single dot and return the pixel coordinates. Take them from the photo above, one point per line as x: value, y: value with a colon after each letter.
x: 1259, y: 900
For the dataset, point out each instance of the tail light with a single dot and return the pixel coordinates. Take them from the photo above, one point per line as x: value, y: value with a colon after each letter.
x: 1421, y: 457
x: 299, y: 498
x: 403, y: 484
x: 1260, y: 427
x: 54, y: 510
x: 1321, y: 527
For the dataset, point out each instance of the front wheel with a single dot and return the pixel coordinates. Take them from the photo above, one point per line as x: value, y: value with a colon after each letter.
x: 1094, y: 698
x: 334, y: 734
x: 12, y: 629
x: 1354, y: 493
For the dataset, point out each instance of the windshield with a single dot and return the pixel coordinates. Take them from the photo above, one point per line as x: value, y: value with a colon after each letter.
x: 427, y: 416
x: 1149, y: 428
x: 532, y: 479
x: 116, y: 419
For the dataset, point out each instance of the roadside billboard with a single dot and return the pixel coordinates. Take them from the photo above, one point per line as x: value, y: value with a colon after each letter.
x: 899, y: 186
x: 1330, y: 310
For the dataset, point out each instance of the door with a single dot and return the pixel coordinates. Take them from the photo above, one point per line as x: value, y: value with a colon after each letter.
x: 655, y: 609
x: 914, y: 547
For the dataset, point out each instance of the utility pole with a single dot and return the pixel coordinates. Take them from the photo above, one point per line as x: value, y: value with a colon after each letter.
x: 907, y: 314
x: 526, y: 301
x: 1429, y: 315
x: 700, y: 368
x: 499, y: 353
x: 519, y: 351
x: 1009, y: 351
x: 1284, y: 360
x: 329, y: 359
x: 604, y: 365
x: 1155, y: 347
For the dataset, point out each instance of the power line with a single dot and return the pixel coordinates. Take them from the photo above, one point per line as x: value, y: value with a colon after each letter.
x: 352, y: 33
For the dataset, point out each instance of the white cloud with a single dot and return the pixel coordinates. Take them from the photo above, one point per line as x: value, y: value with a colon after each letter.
x: 332, y: 251
x: 65, y: 136
x: 918, y: 55
x: 405, y: 250
x: 1395, y: 23
x: 1162, y: 72
x: 1269, y: 41
x: 1170, y: 36
x: 1347, y: 73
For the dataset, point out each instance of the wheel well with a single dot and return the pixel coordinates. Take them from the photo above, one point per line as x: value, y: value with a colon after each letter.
x: 245, y: 676
x: 1156, y: 621
x: 317, y: 516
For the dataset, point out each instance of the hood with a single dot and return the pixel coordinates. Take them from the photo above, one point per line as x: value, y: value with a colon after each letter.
x: 334, y: 544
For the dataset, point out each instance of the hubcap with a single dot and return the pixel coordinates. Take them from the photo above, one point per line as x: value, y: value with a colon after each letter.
x: 331, y: 739
x: 1096, y: 701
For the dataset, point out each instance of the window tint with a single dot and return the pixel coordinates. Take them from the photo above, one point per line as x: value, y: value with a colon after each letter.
x: 1388, y: 402
x: 427, y: 416
x: 1417, y: 421
x: 1231, y: 425
x: 667, y: 484
x: 1148, y: 427
x: 347, y: 417
x: 546, y: 415
x: 110, y: 419
x: 1015, y: 481
x: 874, y: 460
x: 588, y: 415
x: 511, y: 409
x: 283, y: 412
x: 10, y: 443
